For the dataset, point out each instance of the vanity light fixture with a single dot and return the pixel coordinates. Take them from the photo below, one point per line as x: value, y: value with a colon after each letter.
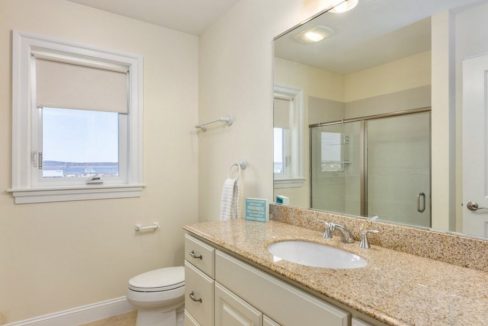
x: 314, y: 35
x: 344, y: 6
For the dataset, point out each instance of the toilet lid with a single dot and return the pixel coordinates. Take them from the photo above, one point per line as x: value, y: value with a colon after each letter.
x: 162, y: 279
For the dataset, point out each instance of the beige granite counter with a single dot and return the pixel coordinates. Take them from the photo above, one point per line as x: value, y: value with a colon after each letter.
x: 395, y: 288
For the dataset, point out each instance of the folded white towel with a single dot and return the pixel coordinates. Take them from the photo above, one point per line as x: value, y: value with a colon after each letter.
x: 230, y: 200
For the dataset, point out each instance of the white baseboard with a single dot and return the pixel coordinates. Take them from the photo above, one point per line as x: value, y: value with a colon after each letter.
x: 80, y: 315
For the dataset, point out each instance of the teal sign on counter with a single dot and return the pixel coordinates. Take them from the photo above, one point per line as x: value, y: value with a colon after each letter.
x: 257, y: 209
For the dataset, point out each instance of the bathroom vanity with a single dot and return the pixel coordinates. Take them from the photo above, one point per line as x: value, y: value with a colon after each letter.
x: 224, y: 290
x: 232, y: 279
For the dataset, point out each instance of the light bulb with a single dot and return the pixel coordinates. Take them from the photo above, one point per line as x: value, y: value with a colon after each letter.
x: 312, y: 36
x: 345, y: 6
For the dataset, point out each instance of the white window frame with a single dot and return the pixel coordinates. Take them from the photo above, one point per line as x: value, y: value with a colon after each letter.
x: 295, y: 176
x: 26, y: 187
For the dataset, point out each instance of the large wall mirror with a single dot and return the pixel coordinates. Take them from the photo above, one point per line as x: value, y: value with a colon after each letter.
x: 381, y: 111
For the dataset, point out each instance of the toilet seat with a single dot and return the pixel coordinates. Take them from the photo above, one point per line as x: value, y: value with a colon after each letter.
x: 158, y: 280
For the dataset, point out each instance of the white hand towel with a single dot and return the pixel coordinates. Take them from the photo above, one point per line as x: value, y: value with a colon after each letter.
x: 229, y: 202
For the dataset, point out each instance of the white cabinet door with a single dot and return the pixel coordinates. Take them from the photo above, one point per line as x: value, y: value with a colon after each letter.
x: 230, y: 310
x: 269, y: 322
x: 284, y: 303
x: 475, y: 146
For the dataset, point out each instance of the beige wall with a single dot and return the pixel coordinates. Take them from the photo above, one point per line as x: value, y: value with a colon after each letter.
x: 59, y: 255
x: 313, y: 81
x: 236, y: 58
x: 399, y: 75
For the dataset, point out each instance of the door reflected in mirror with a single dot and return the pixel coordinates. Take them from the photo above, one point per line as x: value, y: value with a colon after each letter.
x: 370, y: 118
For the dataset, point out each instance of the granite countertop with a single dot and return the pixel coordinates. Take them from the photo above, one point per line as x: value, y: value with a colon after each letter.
x: 395, y: 288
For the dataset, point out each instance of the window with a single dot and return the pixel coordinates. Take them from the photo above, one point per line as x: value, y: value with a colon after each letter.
x: 80, y: 144
x: 77, y: 116
x: 288, y: 129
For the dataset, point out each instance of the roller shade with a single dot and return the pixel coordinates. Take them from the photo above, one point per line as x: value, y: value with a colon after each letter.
x: 281, y: 113
x: 71, y: 86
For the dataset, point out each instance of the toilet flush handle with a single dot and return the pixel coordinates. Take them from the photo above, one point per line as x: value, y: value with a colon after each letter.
x: 195, y: 255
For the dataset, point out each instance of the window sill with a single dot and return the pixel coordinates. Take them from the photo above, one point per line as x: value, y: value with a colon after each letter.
x: 289, y: 183
x: 47, y: 195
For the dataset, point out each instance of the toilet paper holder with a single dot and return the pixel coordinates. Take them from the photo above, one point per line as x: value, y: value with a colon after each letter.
x: 147, y: 228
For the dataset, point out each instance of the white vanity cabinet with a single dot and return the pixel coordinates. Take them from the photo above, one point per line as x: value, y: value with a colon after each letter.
x: 221, y: 290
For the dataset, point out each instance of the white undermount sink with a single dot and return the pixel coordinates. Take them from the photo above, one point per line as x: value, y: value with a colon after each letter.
x: 315, y: 255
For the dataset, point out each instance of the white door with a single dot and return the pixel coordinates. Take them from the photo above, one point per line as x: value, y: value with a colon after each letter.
x: 230, y: 310
x: 475, y: 146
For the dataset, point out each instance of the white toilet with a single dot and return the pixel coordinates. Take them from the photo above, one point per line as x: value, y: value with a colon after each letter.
x: 158, y: 296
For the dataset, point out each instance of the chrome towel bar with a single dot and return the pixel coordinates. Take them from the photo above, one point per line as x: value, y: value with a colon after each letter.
x: 228, y: 121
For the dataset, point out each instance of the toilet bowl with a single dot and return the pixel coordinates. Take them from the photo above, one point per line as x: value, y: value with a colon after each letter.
x: 158, y: 296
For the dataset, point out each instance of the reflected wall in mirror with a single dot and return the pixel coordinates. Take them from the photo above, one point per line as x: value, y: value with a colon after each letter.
x: 380, y: 111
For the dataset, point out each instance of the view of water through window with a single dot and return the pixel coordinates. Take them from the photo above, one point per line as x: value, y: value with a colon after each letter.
x: 79, y: 143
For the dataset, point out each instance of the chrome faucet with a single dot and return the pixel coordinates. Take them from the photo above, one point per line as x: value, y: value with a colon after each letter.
x: 330, y: 228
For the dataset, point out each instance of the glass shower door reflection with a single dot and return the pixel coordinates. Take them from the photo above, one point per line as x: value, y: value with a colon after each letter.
x: 398, y: 169
x: 336, y: 168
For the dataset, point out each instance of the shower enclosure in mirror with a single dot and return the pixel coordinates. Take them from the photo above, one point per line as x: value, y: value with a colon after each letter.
x: 373, y: 166
x: 380, y: 111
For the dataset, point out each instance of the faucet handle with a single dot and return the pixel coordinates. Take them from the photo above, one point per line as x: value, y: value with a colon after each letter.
x: 329, y: 228
x: 373, y: 218
x: 364, y: 238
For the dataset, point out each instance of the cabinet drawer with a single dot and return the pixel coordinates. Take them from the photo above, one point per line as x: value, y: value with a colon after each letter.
x: 199, y: 295
x: 200, y: 254
x: 280, y: 301
x: 189, y: 320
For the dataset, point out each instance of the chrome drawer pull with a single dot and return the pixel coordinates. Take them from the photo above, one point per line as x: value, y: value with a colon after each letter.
x: 192, y: 297
x: 195, y: 255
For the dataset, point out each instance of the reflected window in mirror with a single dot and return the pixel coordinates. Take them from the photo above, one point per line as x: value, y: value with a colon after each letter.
x: 281, y: 153
x: 288, y: 138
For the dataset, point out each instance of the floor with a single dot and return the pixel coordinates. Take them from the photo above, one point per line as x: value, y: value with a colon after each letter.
x: 128, y: 319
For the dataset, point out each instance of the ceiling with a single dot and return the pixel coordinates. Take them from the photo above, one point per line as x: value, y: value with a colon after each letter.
x: 374, y: 33
x: 190, y: 16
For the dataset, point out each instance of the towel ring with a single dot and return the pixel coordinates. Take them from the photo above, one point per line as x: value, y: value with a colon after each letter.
x: 241, y: 165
